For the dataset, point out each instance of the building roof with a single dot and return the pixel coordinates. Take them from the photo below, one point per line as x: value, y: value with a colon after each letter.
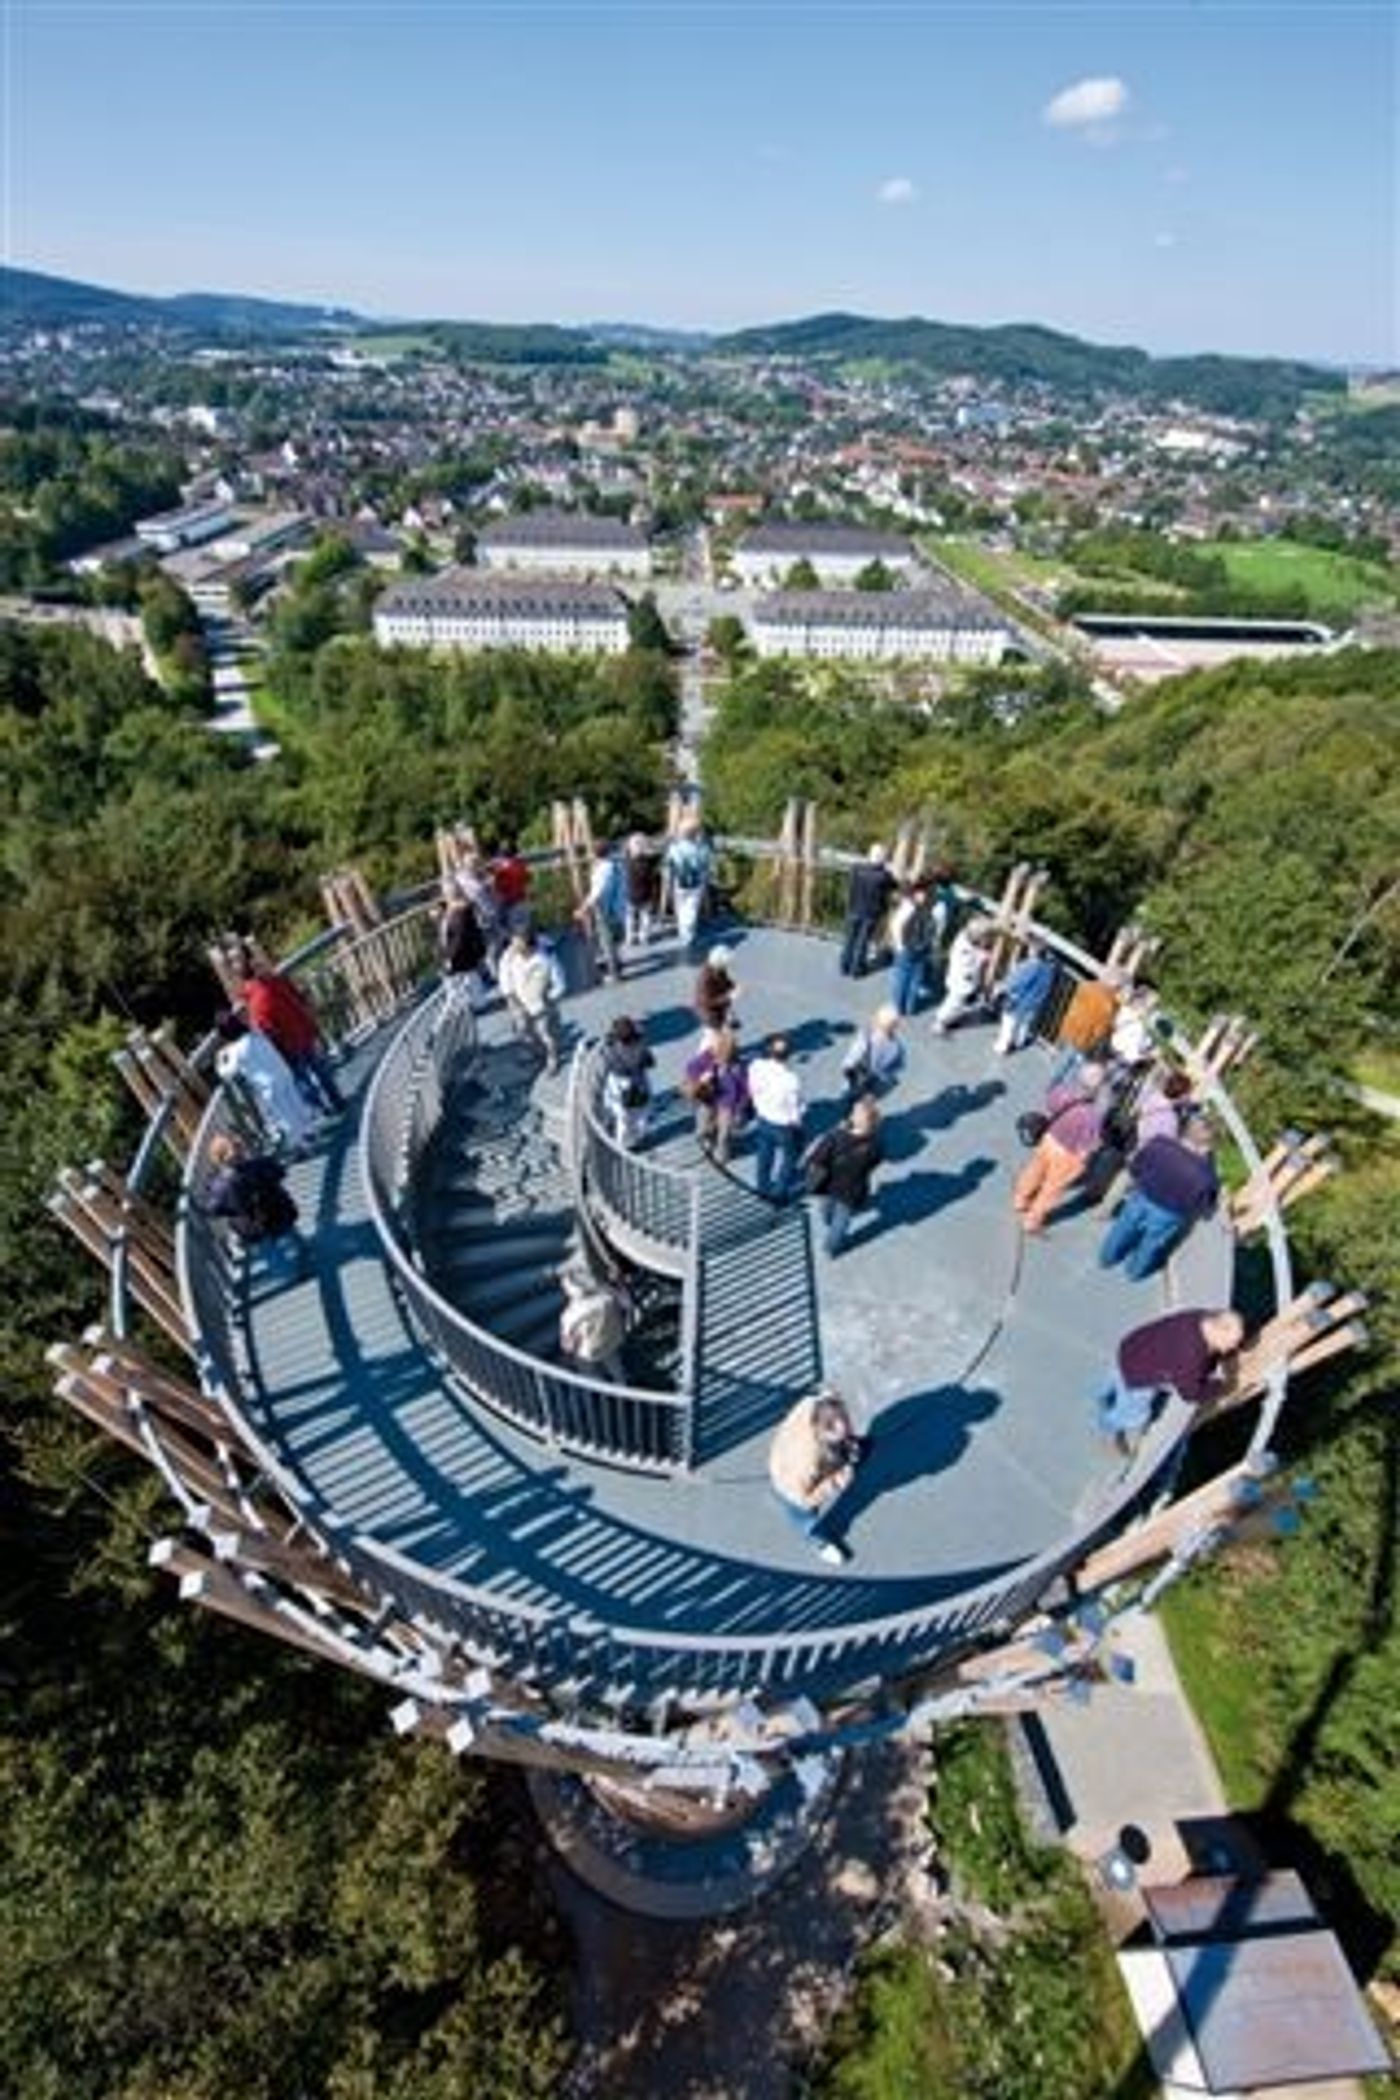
x: 794, y: 538
x: 563, y: 528
x: 465, y: 591
x: 906, y: 610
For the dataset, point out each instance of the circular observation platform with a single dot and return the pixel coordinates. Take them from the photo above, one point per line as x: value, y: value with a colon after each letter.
x: 440, y: 1207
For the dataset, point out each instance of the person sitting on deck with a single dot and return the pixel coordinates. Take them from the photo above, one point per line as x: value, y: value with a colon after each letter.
x: 811, y: 1463
x: 964, y: 980
x: 868, y: 894
x: 281, y: 1012
x: 876, y: 1058
x: 1190, y: 1354
x: 1069, y: 1134
x: 627, y: 1064
x: 1028, y: 986
x: 247, y: 1188
x: 840, y: 1168
x: 715, y: 993
x: 1175, y: 1183
x: 717, y: 1085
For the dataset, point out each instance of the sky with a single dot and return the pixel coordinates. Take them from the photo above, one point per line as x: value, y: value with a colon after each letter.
x: 1199, y: 175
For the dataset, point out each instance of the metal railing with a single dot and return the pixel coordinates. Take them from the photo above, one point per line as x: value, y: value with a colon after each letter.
x: 654, y: 1206
x: 638, y: 1665
x: 637, y: 1426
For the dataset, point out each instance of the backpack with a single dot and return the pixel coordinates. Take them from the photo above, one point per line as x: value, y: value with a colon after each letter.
x: 688, y: 866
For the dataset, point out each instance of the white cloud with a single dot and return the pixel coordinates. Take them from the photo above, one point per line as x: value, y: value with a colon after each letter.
x: 1087, y: 105
x: 897, y: 190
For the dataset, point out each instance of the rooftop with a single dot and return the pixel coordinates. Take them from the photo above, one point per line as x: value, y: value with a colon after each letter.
x: 470, y: 591
x: 939, y: 607
x: 561, y: 528
x: 795, y: 537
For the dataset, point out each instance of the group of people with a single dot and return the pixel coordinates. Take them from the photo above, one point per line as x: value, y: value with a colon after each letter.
x: 627, y: 891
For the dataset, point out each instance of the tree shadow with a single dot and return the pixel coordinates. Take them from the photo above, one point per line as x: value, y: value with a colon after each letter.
x: 924, y: 1434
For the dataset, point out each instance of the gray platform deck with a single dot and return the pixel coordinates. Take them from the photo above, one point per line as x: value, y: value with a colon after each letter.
x: 968, y: 1354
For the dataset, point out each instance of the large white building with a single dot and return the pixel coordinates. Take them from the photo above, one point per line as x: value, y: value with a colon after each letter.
x: 837, y: 553
x: 564, y: 543
x: 465, y: 610
x: 934, y: 626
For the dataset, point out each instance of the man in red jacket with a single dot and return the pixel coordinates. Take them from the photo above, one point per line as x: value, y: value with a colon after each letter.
x: 279, y: 1011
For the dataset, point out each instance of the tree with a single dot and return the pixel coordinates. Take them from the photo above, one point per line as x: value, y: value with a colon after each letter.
x: 727, y: 636
x: 876, y: 577
x: 802, y: 577
x: 645, y: 627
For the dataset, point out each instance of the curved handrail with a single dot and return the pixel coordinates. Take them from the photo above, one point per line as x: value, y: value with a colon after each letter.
x: 624, y: 1423
x: 707, y: 1663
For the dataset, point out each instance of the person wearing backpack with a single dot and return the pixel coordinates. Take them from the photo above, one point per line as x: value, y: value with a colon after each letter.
x: 840, y: 1168
x: 717, y: 1087
x: 248, y: 1190
x: 627, y: 1063
x: 690, y: 862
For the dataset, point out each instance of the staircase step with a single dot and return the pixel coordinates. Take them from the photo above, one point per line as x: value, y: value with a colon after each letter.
x: 531, y: 1327
x: 480, y: 1295
x: 487, y: 1251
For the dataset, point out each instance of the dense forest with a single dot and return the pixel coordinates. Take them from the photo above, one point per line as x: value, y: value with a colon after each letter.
x: 217, y: 1864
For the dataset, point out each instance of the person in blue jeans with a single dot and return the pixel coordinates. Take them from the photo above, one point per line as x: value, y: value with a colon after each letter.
x: 840, y: 1168
x: 775, y: 1092
x: 811, y: 1464
x: 1175, y: 1183
x: 868, y: 894
x: 911, y: 937
x: 1190, y: 1353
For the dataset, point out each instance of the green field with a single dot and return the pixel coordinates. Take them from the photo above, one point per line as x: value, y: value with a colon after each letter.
x: 1335, y: 583
x: 997, y: 570
x: 402, y: 342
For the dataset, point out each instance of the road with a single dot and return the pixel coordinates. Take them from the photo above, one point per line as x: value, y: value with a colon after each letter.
x: 230, y: 645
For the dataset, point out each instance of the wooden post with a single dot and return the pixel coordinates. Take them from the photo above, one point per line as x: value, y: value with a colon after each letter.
x: 806, y: 902
x: 1212, y: 1508
x: 1294, y: 1167
x: 785, y: 867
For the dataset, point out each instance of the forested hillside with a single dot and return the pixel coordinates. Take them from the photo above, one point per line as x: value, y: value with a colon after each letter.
x: 217, y: 1863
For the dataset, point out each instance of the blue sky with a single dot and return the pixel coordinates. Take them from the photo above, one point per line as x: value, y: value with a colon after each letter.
x: 1223, y: 174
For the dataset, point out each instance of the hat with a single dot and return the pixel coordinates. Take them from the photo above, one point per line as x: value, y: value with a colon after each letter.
x: 720, y: 956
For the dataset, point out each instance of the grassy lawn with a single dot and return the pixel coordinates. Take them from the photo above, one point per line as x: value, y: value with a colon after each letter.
x: 394, y: 342
x: 1378, y: 1065
x: 1336, y: 584
x: 998, y: 571
x: 1030, y: 2010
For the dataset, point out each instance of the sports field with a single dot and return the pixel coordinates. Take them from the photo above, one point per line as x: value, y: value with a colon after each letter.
x: 1336, y: 584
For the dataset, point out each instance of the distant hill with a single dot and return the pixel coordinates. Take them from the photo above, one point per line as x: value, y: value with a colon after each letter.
x: 1023, y: 352
x: 32, y: 299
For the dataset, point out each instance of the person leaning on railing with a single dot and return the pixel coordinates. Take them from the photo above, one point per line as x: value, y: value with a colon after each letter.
x: 1191, y: 1354
x: 247, y: 1190
x: 278, y: 1010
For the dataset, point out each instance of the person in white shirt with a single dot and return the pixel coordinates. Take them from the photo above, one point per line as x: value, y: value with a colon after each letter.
x: 593, y: 1324
x: 689, y: 863
x: 527, y: 987
x: 965, y: 977
x: 254, y: 1066
x: 776, y: 1093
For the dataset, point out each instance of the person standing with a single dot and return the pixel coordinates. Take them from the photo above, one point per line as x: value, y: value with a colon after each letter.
x: 253, y: 1065
x: 964, y: 981
x: 248, y: 1189
x: 876, y: 1058
x: 476, y: 887
x: 690, y: 860
x: 642, y: 885
x: 811, y: 1463
x: 779, y: 1109
x: 911, y: 936
x: 715, y: 992
x: 1072, y: 1133
x: 1191, y: 1354
x: 510, y: 880
x: 462, y: 950
x: 1174, y: 1183
x: 1086, y: 1026
x: 278, y: 1010
x: 868, y: 893
x: 717, y: 1086
x: 600, y: 913
x: 840, y: 1169
x: 593, y: 1323
x: 1028, y: 986
x: 627, y: 1066
x: 527, y: 985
